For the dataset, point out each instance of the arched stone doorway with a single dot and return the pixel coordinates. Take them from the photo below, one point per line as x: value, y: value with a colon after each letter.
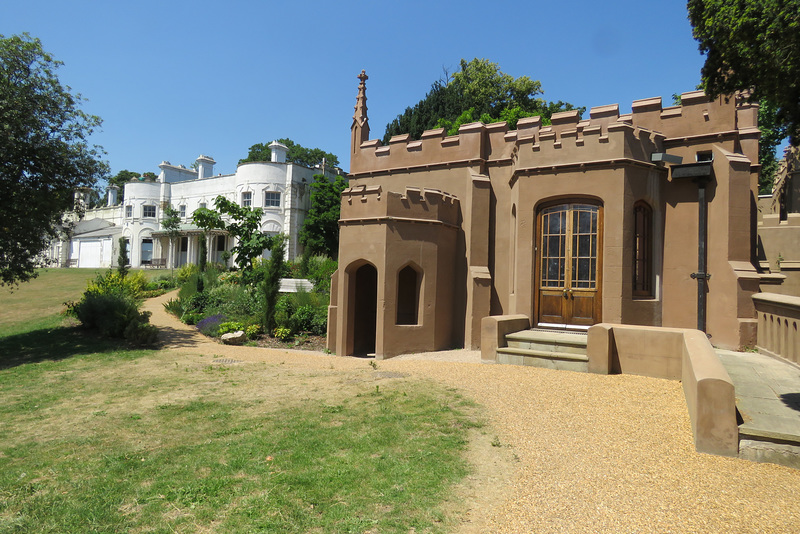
x: 365, y: 309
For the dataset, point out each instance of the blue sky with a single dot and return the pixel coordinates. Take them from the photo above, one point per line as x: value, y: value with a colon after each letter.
x: 174, y: 79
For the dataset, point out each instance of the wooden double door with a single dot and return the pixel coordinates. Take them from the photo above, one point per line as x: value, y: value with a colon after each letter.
x: 569, y: 265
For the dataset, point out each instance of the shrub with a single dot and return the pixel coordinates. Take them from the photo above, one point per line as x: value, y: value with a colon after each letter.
x: 186, y: 271
x: 319, y: 271
x: 112, y: 283
x: 284, y: 334
x: 253, y: 330
x: 230, y: 326
x: 303, y: 319
x: 210, y: 325
x: 113, y: 315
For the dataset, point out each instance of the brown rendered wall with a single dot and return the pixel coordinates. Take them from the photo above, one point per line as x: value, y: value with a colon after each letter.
x: 501, y: 178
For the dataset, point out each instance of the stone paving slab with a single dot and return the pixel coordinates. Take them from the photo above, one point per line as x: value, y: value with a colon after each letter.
x: 767, y: 395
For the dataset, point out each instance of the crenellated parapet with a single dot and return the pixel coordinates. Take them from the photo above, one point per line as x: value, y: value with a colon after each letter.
x: 362, y: 204
x: 605, y: 136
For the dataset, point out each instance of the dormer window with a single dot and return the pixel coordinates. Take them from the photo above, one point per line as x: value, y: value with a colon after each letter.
x: 247, y: 199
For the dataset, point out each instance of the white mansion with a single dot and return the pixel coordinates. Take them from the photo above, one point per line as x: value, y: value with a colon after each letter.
x: 280, y: 188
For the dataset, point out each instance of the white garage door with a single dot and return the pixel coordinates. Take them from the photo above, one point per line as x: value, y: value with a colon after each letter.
x: 90, y: 254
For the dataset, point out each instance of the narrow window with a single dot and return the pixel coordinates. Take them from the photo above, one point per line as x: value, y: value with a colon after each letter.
x: 182, y: 210
x: 642, y: 250
x: 203, y: 205
x: 272, y: 199
x: 408, y: 284
x: 149, y: 211
x: 128, y: 212
x: 247, y: 199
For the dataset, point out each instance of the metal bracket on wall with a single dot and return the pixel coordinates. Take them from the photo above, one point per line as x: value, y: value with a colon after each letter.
x: 703, y: 276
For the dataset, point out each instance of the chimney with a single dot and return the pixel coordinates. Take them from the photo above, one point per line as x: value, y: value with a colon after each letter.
x: 205, y: 166
x: 113, y: 191
x: 278, y: 152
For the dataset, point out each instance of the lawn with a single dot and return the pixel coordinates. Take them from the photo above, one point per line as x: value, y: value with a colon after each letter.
x: 95, y: 437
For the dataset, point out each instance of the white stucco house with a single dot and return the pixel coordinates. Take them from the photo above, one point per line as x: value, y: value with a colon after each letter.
x: 280, y: 188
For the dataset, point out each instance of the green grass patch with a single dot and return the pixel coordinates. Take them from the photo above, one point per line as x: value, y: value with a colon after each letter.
x: 79, y: 454
x: 97, y: 438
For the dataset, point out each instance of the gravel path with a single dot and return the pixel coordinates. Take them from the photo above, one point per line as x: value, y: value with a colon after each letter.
x: 596, y: 453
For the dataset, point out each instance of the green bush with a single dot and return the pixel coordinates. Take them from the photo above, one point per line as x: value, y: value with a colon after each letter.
x: 186, y: 271
x: 319, y: 271
x: 282, y: 333
x: 230, y: 326
x: 253, y: 330
x: 113, y: 315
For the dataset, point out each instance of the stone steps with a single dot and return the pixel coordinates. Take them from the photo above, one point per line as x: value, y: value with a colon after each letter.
x: 546, y: 348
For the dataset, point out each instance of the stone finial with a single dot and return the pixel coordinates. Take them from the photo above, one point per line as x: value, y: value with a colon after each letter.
x: 360, y: 126
x: 360, y: 115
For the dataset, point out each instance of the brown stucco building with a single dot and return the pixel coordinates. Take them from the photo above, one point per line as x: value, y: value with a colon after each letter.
x: 570, y: 224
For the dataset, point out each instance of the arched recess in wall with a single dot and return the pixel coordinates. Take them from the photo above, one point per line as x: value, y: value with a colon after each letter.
x: 362, y: 296
x: 409, y: 286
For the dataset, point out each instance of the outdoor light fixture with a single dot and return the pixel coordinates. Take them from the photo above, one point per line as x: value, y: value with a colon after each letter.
x: 668, y: 158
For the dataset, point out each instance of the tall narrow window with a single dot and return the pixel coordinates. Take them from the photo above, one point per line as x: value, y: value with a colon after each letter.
x: 408, y: 284
x: 642, y: 250
x: 247, y: 199
x: 182, y: 211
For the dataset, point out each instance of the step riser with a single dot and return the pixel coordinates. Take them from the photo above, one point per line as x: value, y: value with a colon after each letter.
x: 547, y: 363
x: 547, y: 346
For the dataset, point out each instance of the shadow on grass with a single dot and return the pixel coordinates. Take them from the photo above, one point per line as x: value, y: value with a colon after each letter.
x: 54, y: 344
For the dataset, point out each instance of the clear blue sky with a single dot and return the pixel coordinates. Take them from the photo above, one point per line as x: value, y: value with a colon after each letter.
x: 174, y: 79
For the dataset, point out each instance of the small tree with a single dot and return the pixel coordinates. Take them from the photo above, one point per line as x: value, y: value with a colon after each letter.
x: 320, y: 232
x: 122, y: 259
x: 271, y: 283
x: 172, y: 224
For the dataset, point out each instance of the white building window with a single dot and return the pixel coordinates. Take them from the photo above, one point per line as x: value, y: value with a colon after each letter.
x: 247, y: 199
x: 182, y: 211
x: 149, y: 211
x: 272, y: 199
x: 203, y: 205
x: 128, y: 212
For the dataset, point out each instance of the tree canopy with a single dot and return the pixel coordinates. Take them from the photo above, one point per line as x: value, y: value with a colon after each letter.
x: 308, y: 157
x: 752, y: 45
x: 320, y: 232
x: 478, y: 91
x: 244, y: 224
x: 44, y: 154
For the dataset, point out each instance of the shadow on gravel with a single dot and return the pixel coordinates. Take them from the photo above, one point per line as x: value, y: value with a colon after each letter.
x: 178, y: 338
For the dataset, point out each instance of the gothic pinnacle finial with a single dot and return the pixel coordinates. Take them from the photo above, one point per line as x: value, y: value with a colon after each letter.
x: 360, y: 115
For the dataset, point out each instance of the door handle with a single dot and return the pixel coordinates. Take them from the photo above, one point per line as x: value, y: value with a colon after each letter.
x: 566, y: 294
x: 570, y: 293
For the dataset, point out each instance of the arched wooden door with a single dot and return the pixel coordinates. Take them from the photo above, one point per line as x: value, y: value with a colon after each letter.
x: 569, y: 241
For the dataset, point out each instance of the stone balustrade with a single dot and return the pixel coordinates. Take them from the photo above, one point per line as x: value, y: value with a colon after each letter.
x: 778, y: 321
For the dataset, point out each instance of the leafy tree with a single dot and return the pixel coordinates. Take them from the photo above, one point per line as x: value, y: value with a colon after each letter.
x: 320, y: 232
x: 44, y: 154
x: 271, y: 283
x: 772, y: 133
x: 308, y: 157
x: 752, y: 45
x: 478, y: 91
x: 172, y: 224
x: 244, y: 224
